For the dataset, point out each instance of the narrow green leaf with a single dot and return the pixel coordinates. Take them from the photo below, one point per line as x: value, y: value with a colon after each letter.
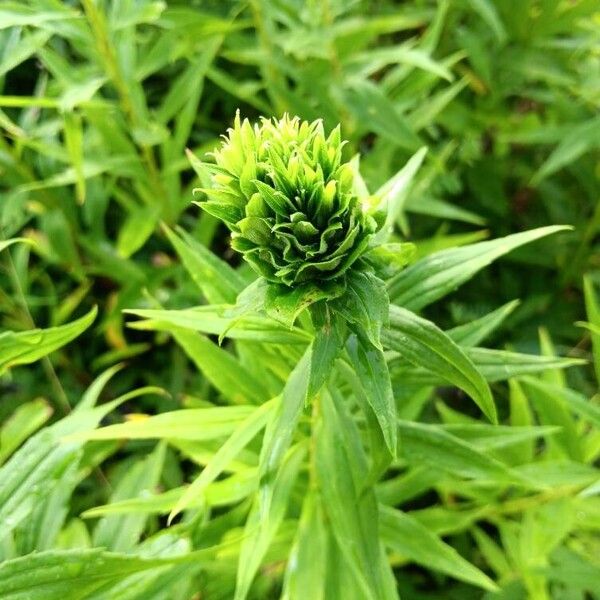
x: 412, y: 540
x: 365, y: 305
x: 306, y: 568
x: 218, y: 320
x: 280, y: 430
x: 222, y: 369
x: 26, y: 347
x: 60, y: 574
x: 439, y: 274
x: 392, y: 194
x: 423, y: 344
x: 21, y: 424
x: 552, y: 409
x: 121, y: 533
x: 261, y: 529
x: 592, y: 307
x: 473, y: 333
x: 219, y: 283
x: 438, y: 448
x: 187, y: 424
x: 241, y: 437
x: 351, y: 509
x: 370, y: 366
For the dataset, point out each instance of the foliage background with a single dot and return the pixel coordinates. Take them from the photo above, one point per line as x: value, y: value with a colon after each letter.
x: 99, y: 101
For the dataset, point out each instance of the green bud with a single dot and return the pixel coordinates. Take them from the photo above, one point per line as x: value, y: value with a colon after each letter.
x: 286, y: 194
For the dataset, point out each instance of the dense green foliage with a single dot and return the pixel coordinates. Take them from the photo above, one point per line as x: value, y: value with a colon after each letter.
x: 174, y: 426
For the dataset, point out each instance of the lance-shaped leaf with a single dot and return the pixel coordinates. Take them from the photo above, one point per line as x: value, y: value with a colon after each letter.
x: 370, y: 366
x: 411, y: 539
x: 423, y: 344
x: 240, y: 438
x: 24, y: 347
x: 442, y: 272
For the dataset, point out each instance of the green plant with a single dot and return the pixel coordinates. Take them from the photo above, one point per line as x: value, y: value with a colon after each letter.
x: 316, y: 495
x: 251, y: 421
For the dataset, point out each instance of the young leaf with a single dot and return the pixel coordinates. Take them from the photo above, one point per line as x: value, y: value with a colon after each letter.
x: 21, y: 424
x: 393, y: 193
x: 365, y: 305
x: 370, y: 366
x: 438, y: 448
x: 216, y: 279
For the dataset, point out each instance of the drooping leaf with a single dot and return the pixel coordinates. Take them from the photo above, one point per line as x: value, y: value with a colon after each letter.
x: 423, y: 344
x: 407, y: 536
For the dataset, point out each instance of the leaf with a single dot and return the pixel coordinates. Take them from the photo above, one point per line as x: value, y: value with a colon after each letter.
x: 370, y: 366
x: 261, y: 529
x: 365, y: 305
x: 552, y: 404
x: 217, y: 320
x: 21, y: 424
x: 473, y: 333
x: 578, y: 141
x: 285, y: 304
x: 592, y: 308
x: 74, y: 143
x: 280, y: 430
x: 489, y: 437
x: 20, y: 240
x: 326, y: 347
x: 555, y: 376
x: 73, y: 574
x: 186, y: 424
x: 393, y: 194
x: 92, y: 393
x: 493, y: 365
x: 440, y: 273
x: 216, y: 279
x: 222, y: 369
x: 487, y: 11
x: 136, y: 230
x: 437, y: 447
x: 352, y: 512
x: 25, y: 347
x: 241, y: 437
x: 409, y: 538
x: 498, y: 365
x: 306, y: 568
x: 223, y: 492
x: 423, y: 344
x: 30, y: 476
x: 121, y: 533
